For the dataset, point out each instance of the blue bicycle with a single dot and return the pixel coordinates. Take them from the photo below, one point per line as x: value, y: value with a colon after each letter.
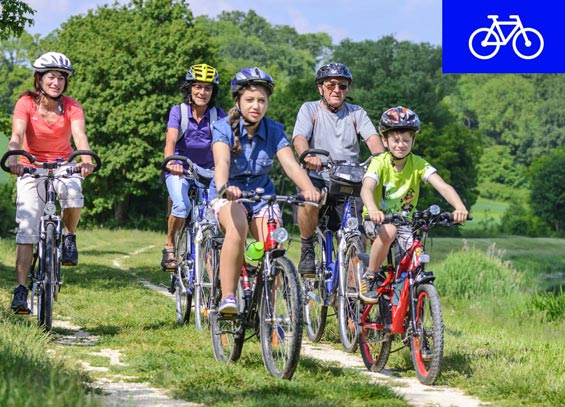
x: 337, y: 245
x: 191, y: 279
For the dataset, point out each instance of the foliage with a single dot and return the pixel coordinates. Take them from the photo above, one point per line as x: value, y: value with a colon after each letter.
x: 130, y: 61
x: 13, y: 18
x: 7, y: 209
x: 547, y: 195
x: 519, y: 220
x: 552, y: 304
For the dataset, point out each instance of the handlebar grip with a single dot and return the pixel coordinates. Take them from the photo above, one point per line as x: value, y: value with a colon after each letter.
x: 175, y: 158
x: 7, y: 154
x: 312, y: 151
x: 89, y: 153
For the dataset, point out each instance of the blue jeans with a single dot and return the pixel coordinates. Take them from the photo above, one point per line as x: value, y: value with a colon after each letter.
x: 178, y: 188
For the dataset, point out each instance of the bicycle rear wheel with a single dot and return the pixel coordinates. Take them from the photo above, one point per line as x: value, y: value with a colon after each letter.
x: 203, y: 284
x: 183, y: 284
x: 280, y: 315
x: 426, y: 344
x: 374, y: 343
x: 47, y: 294
x: 315, y: 293
x: 349, y: 306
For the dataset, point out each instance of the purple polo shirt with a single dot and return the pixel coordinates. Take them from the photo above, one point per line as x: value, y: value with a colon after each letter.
x: 197, y: 141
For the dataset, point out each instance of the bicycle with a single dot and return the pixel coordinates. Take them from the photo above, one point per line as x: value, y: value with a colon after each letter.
x: 45, y: 273
x: 269, y: 298
x: 191, y: 279
x: 336, y: 251
x: 494, y: 37
x: 408, y: 303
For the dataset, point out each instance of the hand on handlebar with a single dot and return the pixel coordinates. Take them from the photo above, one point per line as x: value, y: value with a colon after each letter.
x: 86, y: 168
x: 311, y: 195
x: 313, y: 162
x: 175, y: 168
x: 460, y: 215
x: 15, y: 166
x: 376, y: 216
x: 231, y: 193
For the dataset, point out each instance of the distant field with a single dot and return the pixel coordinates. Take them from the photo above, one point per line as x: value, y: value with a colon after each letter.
x: 485, y: 213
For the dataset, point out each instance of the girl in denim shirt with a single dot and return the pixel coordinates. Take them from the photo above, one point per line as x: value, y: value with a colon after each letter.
x: 244, y: 146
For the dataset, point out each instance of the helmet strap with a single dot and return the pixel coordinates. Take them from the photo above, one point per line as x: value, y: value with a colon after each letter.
x: 57, y: 99
x: 246, y: 121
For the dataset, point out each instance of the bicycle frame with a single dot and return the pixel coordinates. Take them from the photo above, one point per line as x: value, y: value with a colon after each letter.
x: 496, y: 27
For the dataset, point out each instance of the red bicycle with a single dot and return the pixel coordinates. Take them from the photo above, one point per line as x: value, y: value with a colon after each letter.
x: 408, y: 305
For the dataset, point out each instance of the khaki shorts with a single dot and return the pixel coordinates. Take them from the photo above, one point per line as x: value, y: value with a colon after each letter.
x: 30, y: 201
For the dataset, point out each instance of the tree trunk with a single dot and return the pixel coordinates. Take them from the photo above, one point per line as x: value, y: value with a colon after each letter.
x: 121, y: 210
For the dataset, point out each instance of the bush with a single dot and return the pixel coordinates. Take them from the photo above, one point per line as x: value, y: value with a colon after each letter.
x: 7, y: 209
x: 519, y: 220
x: 470, y: 274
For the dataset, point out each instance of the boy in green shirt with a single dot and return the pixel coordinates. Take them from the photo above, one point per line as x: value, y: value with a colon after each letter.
x: 392, y: 185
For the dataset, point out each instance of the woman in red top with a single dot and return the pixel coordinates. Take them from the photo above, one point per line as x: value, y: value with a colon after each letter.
x: 43, y: 122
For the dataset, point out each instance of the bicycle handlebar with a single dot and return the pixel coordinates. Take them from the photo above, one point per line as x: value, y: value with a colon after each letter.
x: 430, y: 217
x: 331, y: 162
x: 194, y: 170
x: 259, y: 195
x: 49, y: 165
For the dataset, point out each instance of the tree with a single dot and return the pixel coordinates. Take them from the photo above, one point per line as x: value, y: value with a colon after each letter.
x: 13, y: 18
x: 130, y: 62
x: 547, y: 195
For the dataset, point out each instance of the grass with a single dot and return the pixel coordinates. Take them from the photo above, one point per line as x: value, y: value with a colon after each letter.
x: 501, y: 348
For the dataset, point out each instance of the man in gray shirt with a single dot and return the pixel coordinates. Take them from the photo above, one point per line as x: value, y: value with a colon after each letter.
x: 333, y: 125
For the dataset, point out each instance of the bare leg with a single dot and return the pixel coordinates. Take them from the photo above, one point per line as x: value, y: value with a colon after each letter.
x: 24, y: 257
x: 233, y: 220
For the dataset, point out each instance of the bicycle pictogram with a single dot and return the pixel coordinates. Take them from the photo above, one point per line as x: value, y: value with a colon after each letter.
x: 484, y: 43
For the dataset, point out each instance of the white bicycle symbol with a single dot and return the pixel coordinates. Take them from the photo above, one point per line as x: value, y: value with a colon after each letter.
x: 484, y: 43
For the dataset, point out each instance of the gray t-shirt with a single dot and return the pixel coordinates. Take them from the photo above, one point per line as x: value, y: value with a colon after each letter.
x: 334, y: 132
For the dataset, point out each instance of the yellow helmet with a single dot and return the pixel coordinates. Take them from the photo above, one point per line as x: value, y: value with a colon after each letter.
x: 202, y: 73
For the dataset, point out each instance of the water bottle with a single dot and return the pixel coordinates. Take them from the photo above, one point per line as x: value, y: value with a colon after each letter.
x: 254, y: 252
x: 398, y: 288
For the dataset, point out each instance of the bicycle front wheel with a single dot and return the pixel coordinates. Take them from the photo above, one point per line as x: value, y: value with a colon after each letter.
x: 426, y: 344
x: 49, y: 263
x: 203, y: 284
x: 374, y: 343
x: 227, y: 333
x: 183, y: 283
x: 315, y: 293
x: 349, y: 301
x: 280, y: 314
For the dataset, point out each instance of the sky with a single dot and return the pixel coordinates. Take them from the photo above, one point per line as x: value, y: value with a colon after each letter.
x: 407, y: 20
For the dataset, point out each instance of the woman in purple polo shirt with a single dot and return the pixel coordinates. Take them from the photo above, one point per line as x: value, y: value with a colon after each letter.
x: 200, y: 90
x: 244, y: 145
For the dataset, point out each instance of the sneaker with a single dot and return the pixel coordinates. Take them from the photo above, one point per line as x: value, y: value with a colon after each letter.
x: 70, y: 252
x: 307, y: 265
x: 228, y: 306
x: 368, y: 291
x: 19, y: 303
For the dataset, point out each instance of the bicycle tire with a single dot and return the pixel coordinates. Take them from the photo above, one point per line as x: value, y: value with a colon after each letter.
x: 315, y: 293
x: 47, y: 295
x: 203, y: 283
x: 227, y: 333
x: 183, y: 289
x: 374, y: 343
x: 429, y: 329
x: 349, y: 304
x: 281, y: 322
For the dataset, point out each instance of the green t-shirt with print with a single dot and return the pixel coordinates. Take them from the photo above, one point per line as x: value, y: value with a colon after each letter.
x: 397, y: 191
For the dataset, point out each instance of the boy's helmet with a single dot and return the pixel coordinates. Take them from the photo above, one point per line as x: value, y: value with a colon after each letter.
x: 333, y: 70
x: 251, y: 76
x: 53, y: 61
x: 203, y: 73
x: 399, y: 117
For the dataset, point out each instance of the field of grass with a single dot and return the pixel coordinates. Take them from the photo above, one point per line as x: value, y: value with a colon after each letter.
x: 500, y: 348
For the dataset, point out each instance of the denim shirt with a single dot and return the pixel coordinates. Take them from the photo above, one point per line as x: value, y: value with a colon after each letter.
x: 250, y: 169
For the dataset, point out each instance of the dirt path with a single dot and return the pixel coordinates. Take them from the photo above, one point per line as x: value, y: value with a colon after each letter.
x: 118, y: 392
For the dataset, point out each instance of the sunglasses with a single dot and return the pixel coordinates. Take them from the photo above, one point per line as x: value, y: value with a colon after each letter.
x: 206, y: 88
x: 332, y: 85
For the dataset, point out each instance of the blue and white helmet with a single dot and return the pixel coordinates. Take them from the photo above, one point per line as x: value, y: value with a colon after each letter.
x: 53, y: 61
x: 251, y: 76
